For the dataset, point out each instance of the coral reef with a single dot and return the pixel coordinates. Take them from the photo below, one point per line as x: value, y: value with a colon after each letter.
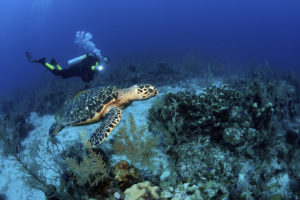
x: 232, y: 137
x: 221, y: 112
x: 184, y: 115
x: 200, y: 191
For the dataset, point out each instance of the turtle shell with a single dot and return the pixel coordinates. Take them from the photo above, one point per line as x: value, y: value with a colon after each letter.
x: 86, y: 106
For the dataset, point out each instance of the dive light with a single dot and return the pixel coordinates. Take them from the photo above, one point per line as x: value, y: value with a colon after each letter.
x: 99, y: 67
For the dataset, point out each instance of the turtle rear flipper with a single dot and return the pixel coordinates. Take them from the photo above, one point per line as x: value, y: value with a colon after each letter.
x: 55, y: 129
x: 113, y: 117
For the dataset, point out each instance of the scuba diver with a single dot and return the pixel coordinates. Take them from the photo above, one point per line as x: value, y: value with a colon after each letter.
x: 85, y: 66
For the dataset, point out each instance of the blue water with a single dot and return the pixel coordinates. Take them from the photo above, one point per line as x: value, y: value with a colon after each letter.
x: 230, y: 30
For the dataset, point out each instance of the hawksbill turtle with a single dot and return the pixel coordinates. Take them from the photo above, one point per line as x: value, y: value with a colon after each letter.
x: 96, y: 104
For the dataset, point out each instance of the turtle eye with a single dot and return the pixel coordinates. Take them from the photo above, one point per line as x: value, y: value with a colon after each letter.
x: 150, y: 90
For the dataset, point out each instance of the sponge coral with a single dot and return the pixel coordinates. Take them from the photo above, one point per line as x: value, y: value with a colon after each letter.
x: 142, y: 191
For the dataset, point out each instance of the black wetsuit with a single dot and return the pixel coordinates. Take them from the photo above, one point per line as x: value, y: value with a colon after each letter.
x: 83, y: 69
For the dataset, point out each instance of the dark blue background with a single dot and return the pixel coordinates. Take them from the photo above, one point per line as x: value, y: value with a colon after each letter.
x: 234, y: 30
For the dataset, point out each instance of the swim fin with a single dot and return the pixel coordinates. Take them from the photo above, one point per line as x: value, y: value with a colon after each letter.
x: 30, y: 59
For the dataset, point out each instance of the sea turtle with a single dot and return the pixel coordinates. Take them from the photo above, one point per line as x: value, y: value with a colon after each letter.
x: 92, y: 105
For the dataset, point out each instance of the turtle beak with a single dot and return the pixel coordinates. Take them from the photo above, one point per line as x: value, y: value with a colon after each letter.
x: 156, y: 91
x: 152, y: 91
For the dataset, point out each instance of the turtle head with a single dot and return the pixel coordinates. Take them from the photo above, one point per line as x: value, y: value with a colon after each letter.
x: 55, y: 129
x: 146, y: 91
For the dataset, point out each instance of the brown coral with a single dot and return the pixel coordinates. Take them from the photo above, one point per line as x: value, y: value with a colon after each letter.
x: 125, y: 175
x: 135, y: 143
x: 91, y: 170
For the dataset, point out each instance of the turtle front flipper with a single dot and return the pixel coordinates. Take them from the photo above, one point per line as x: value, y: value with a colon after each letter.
x: 55, y: 129
x: 113, y: 117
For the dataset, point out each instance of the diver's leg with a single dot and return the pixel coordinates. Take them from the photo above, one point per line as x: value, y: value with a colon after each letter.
x: 54, y: 63
x: 40, y: 60
x: 53, y: 66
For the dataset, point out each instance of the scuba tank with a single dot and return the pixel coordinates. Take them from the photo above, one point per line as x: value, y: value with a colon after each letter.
x: 76, y: 60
